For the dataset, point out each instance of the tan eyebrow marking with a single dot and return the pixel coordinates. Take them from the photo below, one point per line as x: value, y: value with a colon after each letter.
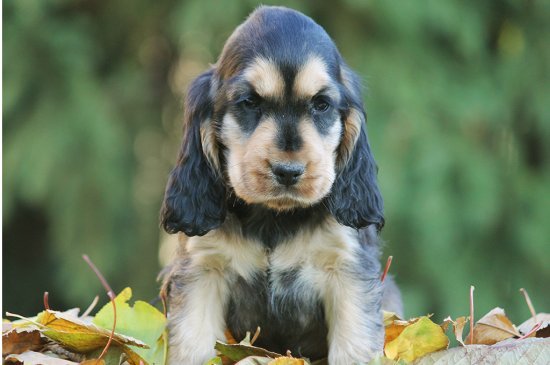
x: 266, y: 78
x: 311, y: 78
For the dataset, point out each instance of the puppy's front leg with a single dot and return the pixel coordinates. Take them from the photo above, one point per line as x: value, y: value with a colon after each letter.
x: 354, y: 317
x: 197, y: 297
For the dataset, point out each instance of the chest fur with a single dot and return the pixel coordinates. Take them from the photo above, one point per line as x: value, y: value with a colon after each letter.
x: 279, y: 289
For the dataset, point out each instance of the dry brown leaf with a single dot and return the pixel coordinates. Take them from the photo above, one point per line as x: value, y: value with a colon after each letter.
x: 542, y: 331
x: 458, y: 327
x: 389, y: 317
x: 19, y: 340
x: 37, y: 358
x: 494, y: 327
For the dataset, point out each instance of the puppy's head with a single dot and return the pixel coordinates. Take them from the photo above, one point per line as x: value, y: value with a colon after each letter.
x: 278, y: 121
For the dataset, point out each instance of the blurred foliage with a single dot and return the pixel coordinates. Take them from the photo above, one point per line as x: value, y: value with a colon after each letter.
x: 459, y: 113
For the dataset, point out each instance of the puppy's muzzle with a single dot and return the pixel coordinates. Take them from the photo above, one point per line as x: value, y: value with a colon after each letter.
x: 287, y: 173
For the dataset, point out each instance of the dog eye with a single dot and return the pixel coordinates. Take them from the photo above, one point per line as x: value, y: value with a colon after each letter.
x: 320, y: 104
x: 251, y: 102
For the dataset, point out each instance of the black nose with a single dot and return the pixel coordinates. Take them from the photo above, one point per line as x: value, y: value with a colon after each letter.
x: 287, y: 173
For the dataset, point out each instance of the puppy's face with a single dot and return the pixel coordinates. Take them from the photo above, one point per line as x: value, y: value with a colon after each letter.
x: 277, y: 121
x: 281, y: 129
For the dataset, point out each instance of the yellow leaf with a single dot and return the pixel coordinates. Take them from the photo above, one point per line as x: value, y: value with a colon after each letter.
x: 394, y: 325
x: 416, y: 340
x: 77, y: 335
x: 286, y: 361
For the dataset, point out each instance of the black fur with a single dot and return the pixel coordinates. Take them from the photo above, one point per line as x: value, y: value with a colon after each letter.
x: 194, y: 201
x: 288, y: 322
x: 283, y: 300
x: 271, y: 227
x: 355, y: 200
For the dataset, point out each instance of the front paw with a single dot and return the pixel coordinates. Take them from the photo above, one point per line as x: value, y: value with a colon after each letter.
x: 355, y: 351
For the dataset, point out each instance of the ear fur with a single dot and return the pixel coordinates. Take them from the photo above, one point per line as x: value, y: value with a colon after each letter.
x: 194, y: 201
x: 355, y: 199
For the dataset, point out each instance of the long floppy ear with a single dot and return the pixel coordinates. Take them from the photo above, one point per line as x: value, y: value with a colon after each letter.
x: 194, y: 201
x: 355, y: 200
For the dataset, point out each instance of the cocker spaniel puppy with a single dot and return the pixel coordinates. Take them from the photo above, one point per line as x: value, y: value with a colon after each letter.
x: 275, y: 186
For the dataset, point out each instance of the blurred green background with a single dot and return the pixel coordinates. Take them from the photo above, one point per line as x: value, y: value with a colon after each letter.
x: 459, y: 120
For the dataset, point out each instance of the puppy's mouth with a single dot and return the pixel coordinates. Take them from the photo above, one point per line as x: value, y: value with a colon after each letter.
x: 286, y: 202
x: 285, y: 196
x: 282, y: 188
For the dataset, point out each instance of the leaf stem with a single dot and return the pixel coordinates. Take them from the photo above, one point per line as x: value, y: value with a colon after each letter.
x: 90, y: 307
x: 472, y: 323
x: 256, y: 335
x: 529, y: 304
x: 111, y: 296
x: 534, y: 329
x: 46, y: 300
x: 387, y: 268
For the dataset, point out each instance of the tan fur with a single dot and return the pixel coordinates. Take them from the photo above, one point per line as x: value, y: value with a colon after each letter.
x: 209, y: 145
x: 352, y: 129
x: 311, y: 78
x: 266, y: 78
x: 250, y: 160
x: 324, y: 257
x: 197, y: 315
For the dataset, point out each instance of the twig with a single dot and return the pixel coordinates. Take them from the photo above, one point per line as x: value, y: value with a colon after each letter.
x: 529, y: 304
x: 46, y: 300
x: 387, y: 268
x: 90, y: 307
x: 256, y: 335
x: 534, y: 329
x: 472, y: 323
x: 163, y: 300
x: 111, y: 296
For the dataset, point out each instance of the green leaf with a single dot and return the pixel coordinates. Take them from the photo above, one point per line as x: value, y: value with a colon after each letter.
x: 142, y: 321
x: 215, y: 361
x: 239, y: 351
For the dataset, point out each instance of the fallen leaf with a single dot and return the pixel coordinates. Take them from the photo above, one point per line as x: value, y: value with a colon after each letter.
x: 19, y: 340
x: 532, y: 351
x: 254, y: 360
x: 284, y: 360
x: 215, y: 361
x: 389, y: 317
x: 229, y: 336
x: 37, y: 358
x: 394, y: 325
x: 77, y: 335
x: 494, y: 327
x: 238, y: 352
x: 382, y: 360
x: 458, y: 327
x: 142, y: 321
x: 544, y: 329
x: 416, y: 340
x: 93, y: 362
